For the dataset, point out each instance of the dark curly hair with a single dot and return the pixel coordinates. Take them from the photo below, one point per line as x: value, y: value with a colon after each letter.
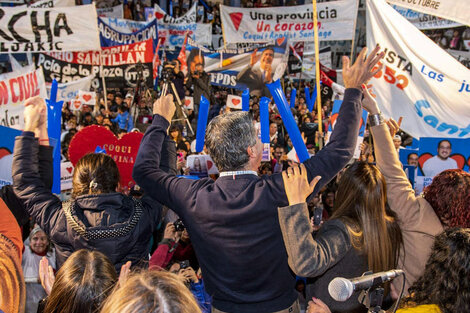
x: 449, y: 196
x: 445, y: 280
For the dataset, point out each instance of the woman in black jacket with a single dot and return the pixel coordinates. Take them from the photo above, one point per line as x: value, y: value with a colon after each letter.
x: 97, y: 217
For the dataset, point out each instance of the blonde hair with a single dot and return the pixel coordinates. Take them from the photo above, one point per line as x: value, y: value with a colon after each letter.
x: 151, y: 291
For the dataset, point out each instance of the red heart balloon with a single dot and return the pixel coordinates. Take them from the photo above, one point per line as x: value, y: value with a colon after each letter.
x: 236, y: 101
x: 123, y: 151
x: 87, y: 97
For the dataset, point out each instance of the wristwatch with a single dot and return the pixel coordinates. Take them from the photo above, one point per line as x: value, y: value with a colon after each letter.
x: 376, y: 119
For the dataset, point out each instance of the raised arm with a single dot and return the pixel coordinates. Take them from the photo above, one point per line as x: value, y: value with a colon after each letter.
x: 400, y: 194
x: 340, y: 149
x: 166, y: 188
x: 308, y: 257
x: 39, y: 201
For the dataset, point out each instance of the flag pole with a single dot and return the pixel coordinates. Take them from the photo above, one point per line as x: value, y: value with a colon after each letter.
x: 317, y: 71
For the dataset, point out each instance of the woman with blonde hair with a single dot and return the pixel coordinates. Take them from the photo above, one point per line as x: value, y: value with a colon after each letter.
x: 151, y: 291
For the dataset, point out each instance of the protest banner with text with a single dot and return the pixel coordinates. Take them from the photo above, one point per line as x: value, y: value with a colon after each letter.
x: 419, y: 80
x: 14, y: 91
x: 425, y: 21
x: 449, y: 9
x: 48, y: 29
x: 232, y: 69
x: 119, y: 65
x: 111, y: 37
x: 336, y: 22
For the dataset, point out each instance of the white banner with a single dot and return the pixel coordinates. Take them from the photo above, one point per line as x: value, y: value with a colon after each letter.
x: 419, y: 80
x: 114, y: 12
x: 51, y: 29
x: 69, y: 91
x: 203, y: 34
x: 14, y: 91
x: 173, y: 30
x: 308, y: 63
x: 336, y: 22
x: 52, y: 3
x: 449, y: 9
x: 425, y: 21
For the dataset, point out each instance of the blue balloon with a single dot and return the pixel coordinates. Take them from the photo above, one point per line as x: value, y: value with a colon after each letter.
x: 54, y: 114
x: 202, y: 123
x: 264, y: 119
x: 307, y: 98
x: 289, y: 121
x: 246, y: 100
x: 293, y: 94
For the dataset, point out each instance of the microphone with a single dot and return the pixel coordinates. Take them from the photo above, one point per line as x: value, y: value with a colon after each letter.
x: 341, y: 289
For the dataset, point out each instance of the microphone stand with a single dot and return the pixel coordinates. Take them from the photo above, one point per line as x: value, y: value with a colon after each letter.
x: 372, y: 299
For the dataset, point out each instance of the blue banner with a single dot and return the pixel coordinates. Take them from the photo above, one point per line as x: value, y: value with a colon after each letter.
x: 110, y: 37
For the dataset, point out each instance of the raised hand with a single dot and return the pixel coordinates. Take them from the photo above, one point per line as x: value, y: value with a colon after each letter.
x: 393, y: 126
x: 35, y: 113
x: 317, y: 306
x: 363, y: 69
x: 296, y: 184
x: 369, y: 103
x: 170, y: 232
x: 165, y: 107
x: 46, y: 275
x: 124, y: 274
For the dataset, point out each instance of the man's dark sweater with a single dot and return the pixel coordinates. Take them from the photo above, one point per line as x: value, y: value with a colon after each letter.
x: 233, y: 221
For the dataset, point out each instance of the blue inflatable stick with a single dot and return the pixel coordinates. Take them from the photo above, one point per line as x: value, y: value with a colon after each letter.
x: 246, y: 100
x: 54, y: 114
x: 264, y: 118
x: 289, y: 121
x: 202, y: 123
x: 293, y: 94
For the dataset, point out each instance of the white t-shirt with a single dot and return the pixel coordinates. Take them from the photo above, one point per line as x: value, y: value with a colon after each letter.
x: 435, y: 165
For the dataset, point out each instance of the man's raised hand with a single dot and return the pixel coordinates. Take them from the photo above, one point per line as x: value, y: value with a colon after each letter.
x: 165, y: 107
x: 363, y: 69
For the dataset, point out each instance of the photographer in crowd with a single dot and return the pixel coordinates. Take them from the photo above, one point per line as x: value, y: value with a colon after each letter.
x: 172, y: 74
x: 198, y: 78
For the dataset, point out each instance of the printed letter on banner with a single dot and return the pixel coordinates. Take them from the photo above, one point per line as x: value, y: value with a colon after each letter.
x: 455, y: 10
x: 48, y: 29
x: 14, y: 91
x: 336, y: 22
x: 419, y: 80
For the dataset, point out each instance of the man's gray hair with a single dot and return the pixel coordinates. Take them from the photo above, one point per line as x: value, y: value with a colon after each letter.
x: 227, y: 138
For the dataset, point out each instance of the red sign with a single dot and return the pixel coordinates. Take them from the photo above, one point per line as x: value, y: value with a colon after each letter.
x: 123, y: 151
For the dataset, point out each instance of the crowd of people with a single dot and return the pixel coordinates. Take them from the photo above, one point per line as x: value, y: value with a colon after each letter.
x: 261, y: 235
x: 257, y: 237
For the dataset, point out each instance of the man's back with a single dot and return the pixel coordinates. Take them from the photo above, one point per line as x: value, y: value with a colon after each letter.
x: 235, y: 230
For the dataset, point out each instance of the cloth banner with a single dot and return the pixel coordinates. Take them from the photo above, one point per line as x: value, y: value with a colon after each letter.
x: 308, y: 63
x: 123, y: 25
x: 14, y: 91
x: 111, y: 37
x: 419, y: 80
x: 173, y: 30
x: 449, y: 9
x: 48, y: 29
x: 119, y: 65
x: 231, y: 68
x: 114, y: 12
x: 425, y: 21
x: 68, y: 91
x: 52, y: 4
x: 336, y: 22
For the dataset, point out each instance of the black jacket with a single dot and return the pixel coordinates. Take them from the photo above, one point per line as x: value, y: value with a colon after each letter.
x: 114, y: 224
